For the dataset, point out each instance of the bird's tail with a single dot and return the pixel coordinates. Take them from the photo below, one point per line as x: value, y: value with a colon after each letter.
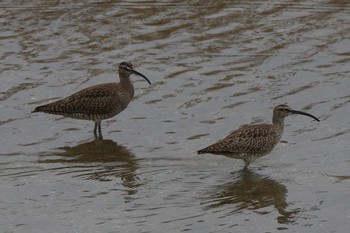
x: 48, y: 108
x: 38, y: 109
x: 202, y: 151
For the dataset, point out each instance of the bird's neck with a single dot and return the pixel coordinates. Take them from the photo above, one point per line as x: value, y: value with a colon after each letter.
x: 126, y: 84
x: 278, y: 122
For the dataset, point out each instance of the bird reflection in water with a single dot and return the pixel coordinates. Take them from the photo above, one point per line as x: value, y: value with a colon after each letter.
x: 250, y: 191
x: 101, y: 160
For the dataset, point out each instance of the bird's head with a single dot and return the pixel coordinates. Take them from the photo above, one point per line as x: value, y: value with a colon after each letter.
x: 125, y: 69
x: 281, y: 111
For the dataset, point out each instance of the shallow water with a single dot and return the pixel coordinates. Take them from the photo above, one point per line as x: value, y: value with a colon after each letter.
x: 213, y: 67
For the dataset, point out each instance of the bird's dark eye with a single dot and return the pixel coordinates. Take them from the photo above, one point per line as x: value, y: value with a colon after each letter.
x: 125, y: 68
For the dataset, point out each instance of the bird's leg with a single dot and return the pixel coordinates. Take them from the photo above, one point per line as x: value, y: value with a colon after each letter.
x: 95, y: 130
x: 246, y: 164
x: 99, y: 131
x: 98, y: 127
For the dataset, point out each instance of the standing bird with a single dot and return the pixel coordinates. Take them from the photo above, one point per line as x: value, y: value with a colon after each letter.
x: 250, y: 142
x: 98, y: 102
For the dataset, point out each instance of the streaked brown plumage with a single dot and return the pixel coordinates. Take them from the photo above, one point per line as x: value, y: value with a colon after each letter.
x: 98, y: 102
x: 250, y: 142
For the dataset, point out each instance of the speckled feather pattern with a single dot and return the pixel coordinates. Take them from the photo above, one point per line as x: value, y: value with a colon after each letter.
x: 94, y: 103
x: 98, y: 102
x: 249, y: 140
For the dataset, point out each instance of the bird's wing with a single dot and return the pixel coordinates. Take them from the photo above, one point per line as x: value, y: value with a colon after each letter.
x: 96, y: 99
x: 247, y: 139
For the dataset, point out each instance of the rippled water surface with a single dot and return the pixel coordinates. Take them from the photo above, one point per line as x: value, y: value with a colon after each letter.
x: 214, y: 65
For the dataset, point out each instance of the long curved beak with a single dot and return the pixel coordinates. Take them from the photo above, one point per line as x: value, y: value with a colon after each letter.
x: 139, y: 74
x: 305, y: 114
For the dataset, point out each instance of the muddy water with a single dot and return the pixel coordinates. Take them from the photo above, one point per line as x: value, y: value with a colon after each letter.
x: 213, y: 66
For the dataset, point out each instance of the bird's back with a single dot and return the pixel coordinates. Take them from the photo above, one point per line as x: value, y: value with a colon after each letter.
x: 249, y: 139
x: 97, y: 102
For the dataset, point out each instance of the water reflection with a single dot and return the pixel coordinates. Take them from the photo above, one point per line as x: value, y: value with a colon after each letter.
x: 251, y: 191
x: 101, y: 160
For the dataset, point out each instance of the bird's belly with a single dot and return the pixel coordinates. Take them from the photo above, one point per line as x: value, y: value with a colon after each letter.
x: 95, y: 116
x: 244, y: 156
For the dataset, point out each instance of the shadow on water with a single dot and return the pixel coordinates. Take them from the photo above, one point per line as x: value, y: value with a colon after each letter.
x: 251, y: 191
x: 101, y: 160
